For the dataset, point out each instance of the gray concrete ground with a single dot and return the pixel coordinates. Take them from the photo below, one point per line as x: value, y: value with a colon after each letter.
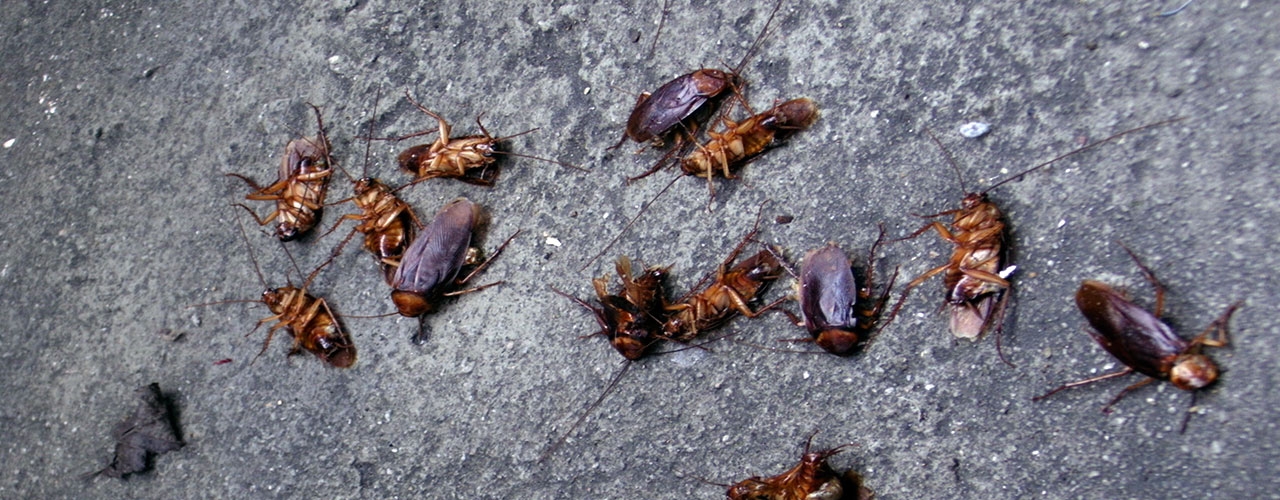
x: 120, y: 119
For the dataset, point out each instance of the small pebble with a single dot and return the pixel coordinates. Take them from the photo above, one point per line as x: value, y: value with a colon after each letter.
x: 974, y: 130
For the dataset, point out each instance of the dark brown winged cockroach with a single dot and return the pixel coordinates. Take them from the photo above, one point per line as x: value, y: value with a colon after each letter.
x: 387, y: 222
x: 731, y: 292
x: 811, y: 479
x: 976, y: 276
x: 632, y: 318
x: 679, y: 107
x: 430, y: 267
x: 307, y: 318
x: 300, y: 185
x: 467, y: 158
x: 838, y: 313
x: 1144, y: 343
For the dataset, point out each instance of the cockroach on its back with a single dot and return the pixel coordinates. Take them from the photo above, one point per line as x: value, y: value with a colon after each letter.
x: 387, y: 222
x: 739, y: 142
x: 838, y: 313
x: 730, y: 293
x: 1143, y: 342
x: 811, y: 479
x: 976, y: 276
x: 429, y: 268
x: 631, y: 319
x: 301, y: 183
x: 306, y: 318
x: 467, y: 158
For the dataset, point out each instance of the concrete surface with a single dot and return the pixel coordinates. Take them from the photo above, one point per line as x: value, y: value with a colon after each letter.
x: 120, y: 119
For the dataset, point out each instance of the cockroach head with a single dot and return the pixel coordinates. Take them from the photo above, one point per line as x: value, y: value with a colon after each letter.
x: 837, y: 341
x: 287, y: 232
x: 763, y: 265
x: 710, y: 82
x: 272, y: 296
x: 1193, y: 371
x: 411, y: 304
x: 972, y: 200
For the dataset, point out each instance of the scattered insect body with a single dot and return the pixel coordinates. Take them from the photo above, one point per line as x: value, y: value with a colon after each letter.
x: 731, y: 292
x: 677, y: 107
x: 300, y: 186
x: 811, y: 479
x: 976, y: 276
x: 467, y: 158
x: 1144, y: 343
x: 631, y: 319
x: 838, y: 313
x: 742, y: 141
x: 430, y: 267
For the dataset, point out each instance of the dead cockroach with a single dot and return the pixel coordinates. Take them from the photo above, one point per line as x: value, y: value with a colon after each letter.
x: 976, y: 276
x: 677, y: 107
x: 1144, y: 343
x: 632, y: 319
x: 300, y: 185
x: 430, y: 267
x: 731, y: 292
x: 305, y: 317
x: 742, y: 141
x: 387, y: 222
x: 811, y: 479
x: 838, y: 313
x: 468, y: 158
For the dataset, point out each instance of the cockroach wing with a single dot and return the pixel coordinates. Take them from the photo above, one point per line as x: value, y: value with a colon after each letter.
x: 1130, y: 333
x: 969, y: 319
x: 672, y: 102
x: 827, y: 289
x: 436, y: 256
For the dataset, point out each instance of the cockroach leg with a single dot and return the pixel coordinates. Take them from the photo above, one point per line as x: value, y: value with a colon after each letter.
x: 1088, y: 381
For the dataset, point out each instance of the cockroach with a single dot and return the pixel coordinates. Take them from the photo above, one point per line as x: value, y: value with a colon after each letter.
x: 631, y: 319
x: 429, y: 269
x: 467, y: 158
x: 838, y: 313
x: 811, y: 479
x: 676, y: 108
x: 976, y: 276
x: 300, y: 186
x: 731, y: 292
x: 1144, y: 343
x: 307, y: 318
x: 739, y: 142
x: 387, y: 222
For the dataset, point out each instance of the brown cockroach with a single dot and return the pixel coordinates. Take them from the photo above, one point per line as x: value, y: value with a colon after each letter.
x: 811, y: 479
x: 1144, y: 343
x: 677, y: 107
x: 301, y: 183
x: 307, y: 318
x: 838, y: 313
x: 730, y: 293
x: 631, y: 319
x: 976, y: 276
x: 467, y: 158
x: 429, y: 269
x: 387, y: 222
x: 740, y: 142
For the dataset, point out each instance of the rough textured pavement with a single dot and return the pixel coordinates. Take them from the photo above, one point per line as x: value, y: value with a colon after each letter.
x: 120, y: 119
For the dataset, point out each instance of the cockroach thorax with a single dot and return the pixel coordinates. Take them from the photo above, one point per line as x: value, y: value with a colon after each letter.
x: 837, y: 341
x: 1193, y: 371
